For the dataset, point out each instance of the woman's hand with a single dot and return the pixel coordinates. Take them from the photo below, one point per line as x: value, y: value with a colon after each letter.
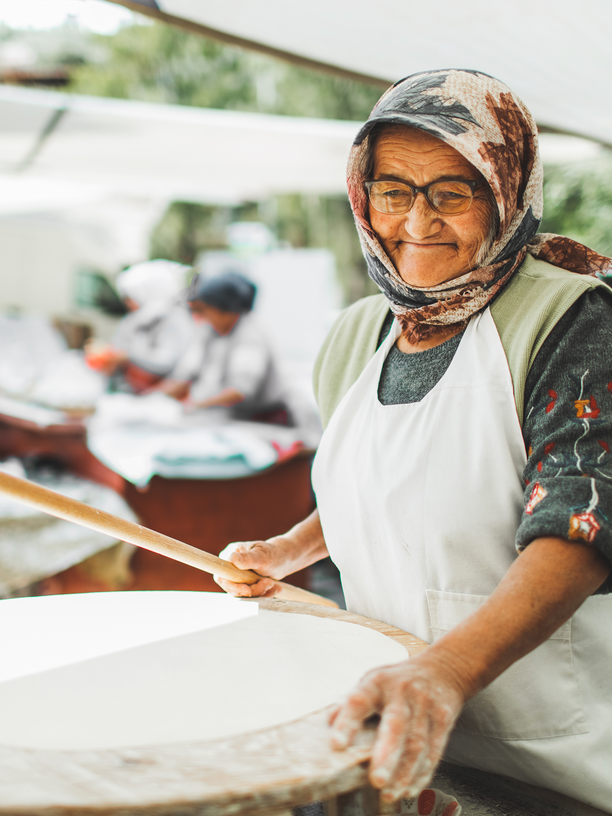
x: 279, y: 556
x: 271, y: 558
x: 104, y: 357
x: 420, y: 699
x: 418, y: 702
x: 224, y: 399
x: 177, y: 389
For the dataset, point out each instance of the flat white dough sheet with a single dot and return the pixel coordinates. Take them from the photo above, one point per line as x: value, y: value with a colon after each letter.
x: 180, y: 667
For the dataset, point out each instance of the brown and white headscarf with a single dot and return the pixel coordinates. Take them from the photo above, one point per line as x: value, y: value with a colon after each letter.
x: 483, y: 120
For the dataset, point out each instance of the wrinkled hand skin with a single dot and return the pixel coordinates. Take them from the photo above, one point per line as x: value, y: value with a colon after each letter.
x: 263, y: 557
x: 418, y: 702
x: 277, y: 557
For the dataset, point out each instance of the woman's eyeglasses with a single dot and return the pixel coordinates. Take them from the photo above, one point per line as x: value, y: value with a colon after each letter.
x: 398, y: 197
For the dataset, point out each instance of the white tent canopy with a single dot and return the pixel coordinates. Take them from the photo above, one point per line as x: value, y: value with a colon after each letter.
x: 94, y: 146
x: 555, y: 54
x: 83, y: 180
x: 60, y: 150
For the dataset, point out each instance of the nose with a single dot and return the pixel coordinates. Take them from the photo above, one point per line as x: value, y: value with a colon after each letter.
x: 421, y: 221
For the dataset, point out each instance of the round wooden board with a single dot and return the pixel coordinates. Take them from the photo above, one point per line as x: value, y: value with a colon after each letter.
x: 253, y: 774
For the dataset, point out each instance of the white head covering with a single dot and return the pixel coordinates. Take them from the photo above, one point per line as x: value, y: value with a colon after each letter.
x: 152, y: 281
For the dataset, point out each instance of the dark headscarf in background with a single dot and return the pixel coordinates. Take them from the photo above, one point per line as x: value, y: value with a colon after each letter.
x: 229, y: 292
x: 483, y: 120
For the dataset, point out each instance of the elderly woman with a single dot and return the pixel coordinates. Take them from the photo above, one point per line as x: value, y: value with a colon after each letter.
x: 463, y: 481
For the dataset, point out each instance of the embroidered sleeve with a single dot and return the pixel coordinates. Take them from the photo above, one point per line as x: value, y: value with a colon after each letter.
x: 568, y: 431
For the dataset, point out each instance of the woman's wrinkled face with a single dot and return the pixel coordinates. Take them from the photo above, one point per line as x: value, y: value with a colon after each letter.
x: 426, y: 247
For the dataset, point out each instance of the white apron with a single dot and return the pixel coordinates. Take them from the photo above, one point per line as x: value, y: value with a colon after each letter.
x: 419, y: 505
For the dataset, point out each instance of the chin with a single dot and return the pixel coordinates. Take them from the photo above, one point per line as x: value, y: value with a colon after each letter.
x: 424, y: 278
x: 423, y: 273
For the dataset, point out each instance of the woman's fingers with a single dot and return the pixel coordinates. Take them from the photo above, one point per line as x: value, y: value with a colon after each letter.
x: 422, y: 750
x: 418, y: 706
x: 259, y: 556
x: 348, y: 718
x: 255, y: 555
x: 265, y: 588
x: 403, y: 763
x: 413, y: 743
x: 393, y: 747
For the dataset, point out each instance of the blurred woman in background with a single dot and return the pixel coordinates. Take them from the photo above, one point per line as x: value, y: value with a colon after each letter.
x: 154, y: 335
x: 230, y: 364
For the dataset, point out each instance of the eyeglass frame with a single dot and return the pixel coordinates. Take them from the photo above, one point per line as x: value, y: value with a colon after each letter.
x: 471, y: 183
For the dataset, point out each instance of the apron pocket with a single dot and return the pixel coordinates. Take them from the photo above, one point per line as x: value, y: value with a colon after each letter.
x: 536, y: 698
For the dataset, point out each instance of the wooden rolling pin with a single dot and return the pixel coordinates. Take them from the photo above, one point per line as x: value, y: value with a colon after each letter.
x: 72, y: 510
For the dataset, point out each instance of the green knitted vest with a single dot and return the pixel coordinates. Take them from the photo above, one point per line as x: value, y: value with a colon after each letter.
x: 525, y: 311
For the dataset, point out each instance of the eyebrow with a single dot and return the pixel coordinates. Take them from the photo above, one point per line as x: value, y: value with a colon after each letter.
x: 391, y: 177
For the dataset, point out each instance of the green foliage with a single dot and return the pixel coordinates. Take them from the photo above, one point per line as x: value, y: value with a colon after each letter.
x: 65, y: 46
x: 325, y: 221
x: 161, y: 63
x: 186, y: 228
x: 155, y: 62
x: 578, y: 202
x: 301, y: 221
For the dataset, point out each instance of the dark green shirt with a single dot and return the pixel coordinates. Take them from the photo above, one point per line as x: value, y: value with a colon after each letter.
x: 569, y: 383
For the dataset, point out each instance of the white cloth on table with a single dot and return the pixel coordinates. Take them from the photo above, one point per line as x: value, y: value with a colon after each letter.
x: 68, y: 383
x: 36, y: 366
x: 29, y: 344
x: 35, y: 545
x: 39, y: 415
x: 139, y: 437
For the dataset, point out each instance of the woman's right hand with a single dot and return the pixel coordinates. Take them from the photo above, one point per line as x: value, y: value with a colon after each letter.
x: 269, y: 558
x: 104, y: 357
x: 279, y: 556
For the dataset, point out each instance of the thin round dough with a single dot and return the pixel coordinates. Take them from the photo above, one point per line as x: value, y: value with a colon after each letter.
x: 241, y: 670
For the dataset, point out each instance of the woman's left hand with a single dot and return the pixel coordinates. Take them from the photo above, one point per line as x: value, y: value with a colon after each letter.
x: 418, y: 701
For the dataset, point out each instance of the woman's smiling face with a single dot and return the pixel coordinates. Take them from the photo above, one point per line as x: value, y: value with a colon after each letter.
x: 426, y: 247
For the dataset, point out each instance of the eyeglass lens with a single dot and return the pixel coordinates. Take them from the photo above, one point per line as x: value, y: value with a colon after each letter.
x: 448, y: 197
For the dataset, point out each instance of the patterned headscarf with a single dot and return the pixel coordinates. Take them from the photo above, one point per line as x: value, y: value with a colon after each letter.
x: 486, y: 123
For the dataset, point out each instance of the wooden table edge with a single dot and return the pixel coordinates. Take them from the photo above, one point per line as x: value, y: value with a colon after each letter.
x: 411, y: 643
